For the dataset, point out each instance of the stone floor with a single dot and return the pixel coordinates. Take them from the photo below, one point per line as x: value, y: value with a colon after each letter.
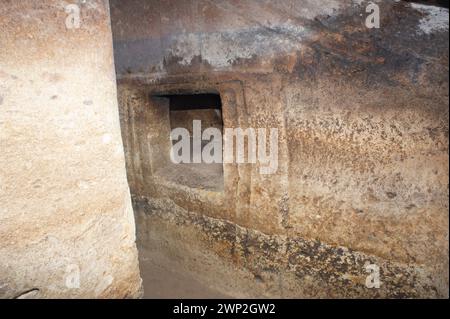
x: 169, y: 281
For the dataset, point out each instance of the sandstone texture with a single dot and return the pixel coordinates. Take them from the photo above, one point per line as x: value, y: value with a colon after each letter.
x: 362, y: 116
x: 66, y: 221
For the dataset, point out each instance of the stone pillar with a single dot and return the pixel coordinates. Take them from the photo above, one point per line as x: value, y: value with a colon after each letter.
x: 66, y: 222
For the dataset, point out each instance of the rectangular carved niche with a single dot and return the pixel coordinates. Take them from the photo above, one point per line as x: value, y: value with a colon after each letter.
x: 149, y: 112
x: 189, y: 116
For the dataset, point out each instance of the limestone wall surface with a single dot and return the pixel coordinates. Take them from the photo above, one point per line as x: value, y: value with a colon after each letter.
x: 362, y: 116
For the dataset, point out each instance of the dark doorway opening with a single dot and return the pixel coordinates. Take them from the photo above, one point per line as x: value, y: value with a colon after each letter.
x: 184, y: 109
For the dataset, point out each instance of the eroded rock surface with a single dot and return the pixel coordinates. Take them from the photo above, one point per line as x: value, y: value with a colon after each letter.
x: 362, y: 116
x: 66, y: 222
